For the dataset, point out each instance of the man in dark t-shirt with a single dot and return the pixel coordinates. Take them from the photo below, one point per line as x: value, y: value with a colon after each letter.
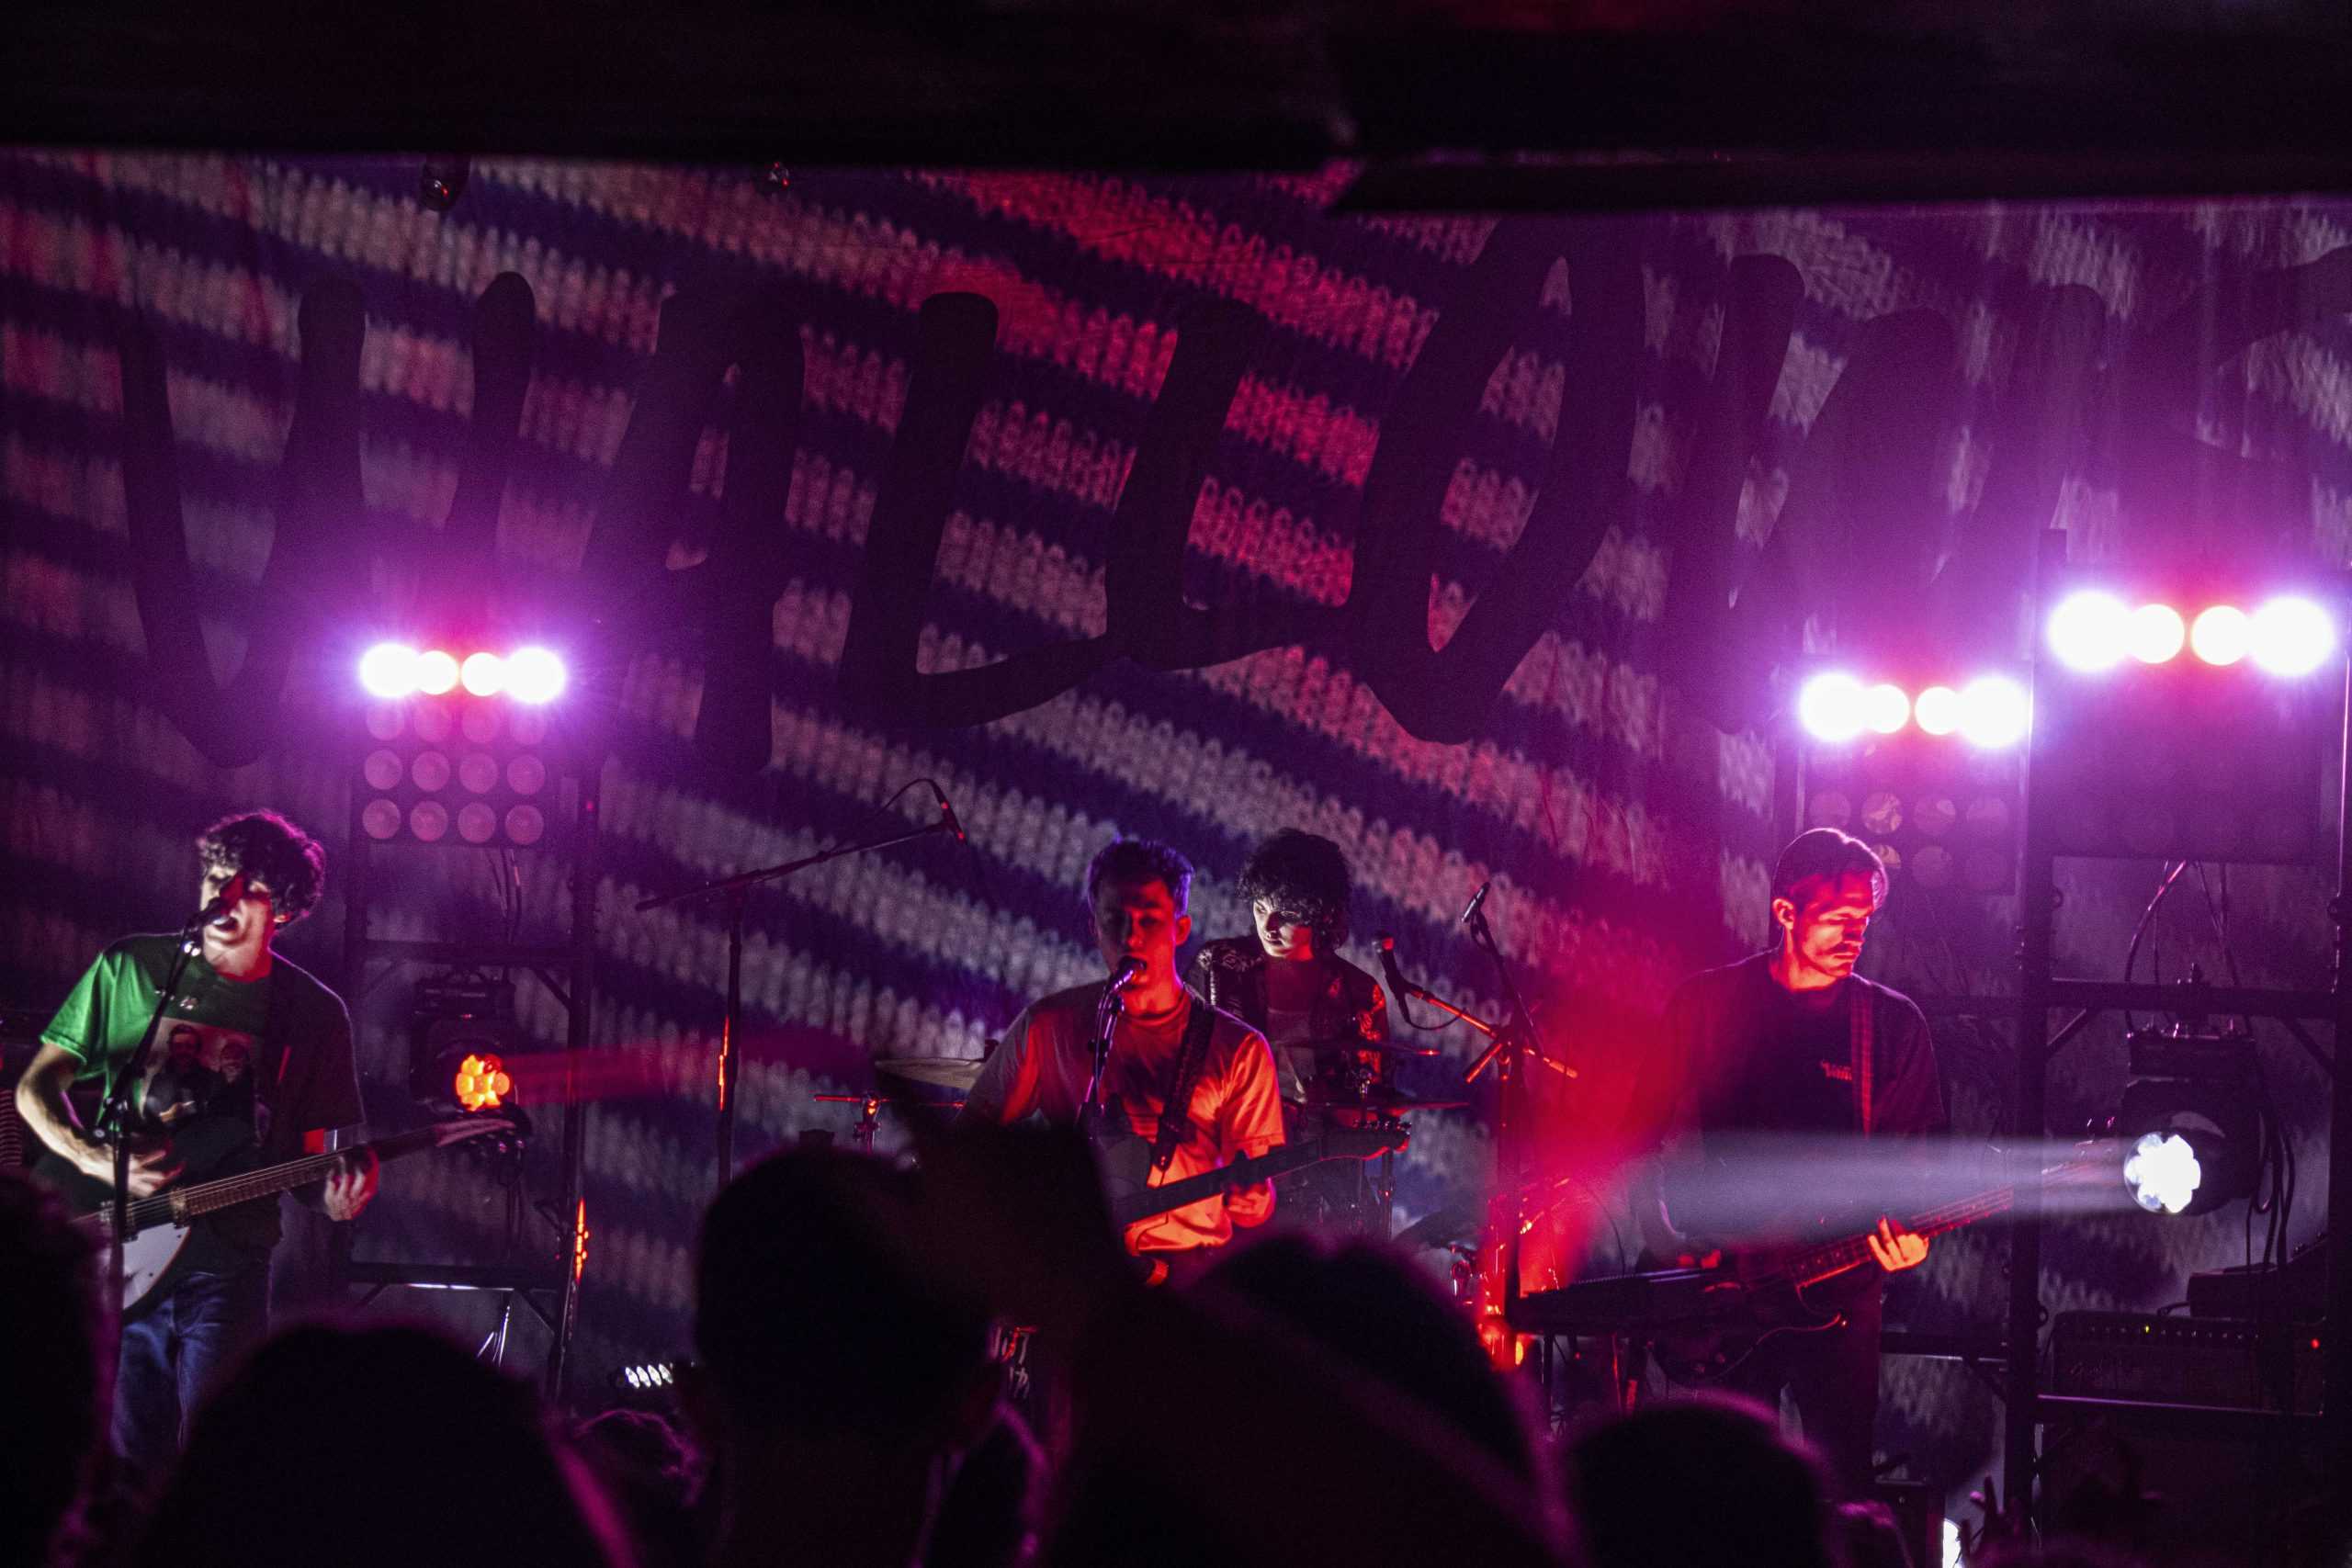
x: 251, y: 1064
x: 1787, y: 1052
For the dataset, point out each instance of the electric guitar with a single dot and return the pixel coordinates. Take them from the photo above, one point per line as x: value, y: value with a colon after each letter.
x: 159, y: 1223
x: 1132, y: 1198
x: 1756, y: 1295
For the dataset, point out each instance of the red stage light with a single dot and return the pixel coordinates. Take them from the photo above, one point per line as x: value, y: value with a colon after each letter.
x: 481, y: 1083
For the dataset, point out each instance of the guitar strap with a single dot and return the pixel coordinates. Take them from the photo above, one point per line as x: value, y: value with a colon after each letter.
x: 1862, y: 1012
x: 1176, y: 1111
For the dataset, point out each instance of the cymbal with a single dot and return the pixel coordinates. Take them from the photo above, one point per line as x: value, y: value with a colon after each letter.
x: 883, y: 1099
x: 940, y: 1072
x: 1377, y: 1097
x: 1455, y: 1222
x: 1357, y: 1043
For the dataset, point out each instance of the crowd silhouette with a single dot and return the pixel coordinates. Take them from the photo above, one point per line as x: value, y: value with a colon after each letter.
x: 1305, y: 1402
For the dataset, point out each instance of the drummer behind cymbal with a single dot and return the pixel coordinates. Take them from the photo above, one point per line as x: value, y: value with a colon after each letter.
x: 1287, y: 978
x: 1168, y: 1044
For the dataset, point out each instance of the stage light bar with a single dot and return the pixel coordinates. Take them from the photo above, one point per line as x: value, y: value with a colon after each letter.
x: 1990, y: 713
x: 395, y: 671
x: 2092, y: 631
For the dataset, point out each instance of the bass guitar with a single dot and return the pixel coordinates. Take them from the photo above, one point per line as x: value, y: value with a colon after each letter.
x: 1755, y: 1296
x: 159, y: 1223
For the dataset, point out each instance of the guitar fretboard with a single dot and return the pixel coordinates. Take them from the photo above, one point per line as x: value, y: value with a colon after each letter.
x: 181, y: 1204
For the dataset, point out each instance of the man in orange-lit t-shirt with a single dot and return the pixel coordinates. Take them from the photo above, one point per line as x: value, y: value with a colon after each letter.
x: 1165, y: 1040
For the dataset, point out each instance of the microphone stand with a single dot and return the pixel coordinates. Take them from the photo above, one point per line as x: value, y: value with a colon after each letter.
x: 1107, y: 1013
x: 116, y: 1108
x: 1511, y: 1045
x: 737, y: 890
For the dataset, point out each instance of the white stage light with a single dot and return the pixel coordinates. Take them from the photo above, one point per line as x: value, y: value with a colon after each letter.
x: 2291, y: 636
x: 2163, y: 1173
x: 2090, y: 631
x: 1886, y: 708
x: 436, y: 673
x: 1831, y: 707
x: 2221, y: 635
x: 1994, y: 712
x: 1938, y: 710
x: 534, y: 675
x: 483, y: 673
x: 388, y: 671
x: 2155, y: 634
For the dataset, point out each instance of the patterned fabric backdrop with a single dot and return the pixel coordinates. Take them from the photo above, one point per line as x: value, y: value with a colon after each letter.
x: 1657, y: 460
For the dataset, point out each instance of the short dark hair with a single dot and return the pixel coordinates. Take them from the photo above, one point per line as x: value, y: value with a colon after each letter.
x: 272, y: 852
x: 1141, y: 860
x: 806, y: 1316
x: 1304, y: 876
x: 1826, y: 852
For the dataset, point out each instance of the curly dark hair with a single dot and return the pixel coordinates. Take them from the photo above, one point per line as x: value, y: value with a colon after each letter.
x: 272, y: 852
x: 1303, y: 876
x: 1141, y: 860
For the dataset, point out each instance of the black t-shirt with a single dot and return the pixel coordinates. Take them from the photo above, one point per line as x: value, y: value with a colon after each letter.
x: 1755, y: 1061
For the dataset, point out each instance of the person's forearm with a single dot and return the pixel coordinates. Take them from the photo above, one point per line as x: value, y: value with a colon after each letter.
x: 42, y: 1105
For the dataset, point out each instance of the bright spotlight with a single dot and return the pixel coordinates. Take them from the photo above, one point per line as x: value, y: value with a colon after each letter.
x: 1994, y: 712
x: 436, y: 673
x: 1886, y: 708
x: 2163, y: 1173
x: 2291, y: 636
x: 483, y: 673
x: 2221, y: 635
x: 2090, y: 631
x: 481, y: 1083
x: 2155, y: 634
x: 1938, y: 710
x: 388, y: 671
x: 534, y: 675
x: 1831, y: 707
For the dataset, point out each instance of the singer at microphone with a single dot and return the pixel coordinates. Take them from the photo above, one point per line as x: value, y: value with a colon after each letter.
x: 1165, y: 1045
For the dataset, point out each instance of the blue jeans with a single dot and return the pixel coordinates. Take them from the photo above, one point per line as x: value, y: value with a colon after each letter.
x: 173, y: 1354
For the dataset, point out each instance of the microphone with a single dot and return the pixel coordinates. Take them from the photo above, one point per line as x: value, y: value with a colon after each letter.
x: 1475, y: 899
x: 1388, y: 967
x: 947, y: 814
x: 228, y: 899
x: 1129, y: 967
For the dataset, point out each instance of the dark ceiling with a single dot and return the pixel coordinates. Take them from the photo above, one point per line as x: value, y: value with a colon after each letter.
x: 1716, y: 103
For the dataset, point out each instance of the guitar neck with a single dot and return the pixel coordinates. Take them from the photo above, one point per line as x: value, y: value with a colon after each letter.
x: 1156, y: 1200
x: 1851, y: 1252
x: 180, y: 1204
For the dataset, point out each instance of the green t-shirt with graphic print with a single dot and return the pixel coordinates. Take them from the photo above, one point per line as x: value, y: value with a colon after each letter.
x: 240, y: 1072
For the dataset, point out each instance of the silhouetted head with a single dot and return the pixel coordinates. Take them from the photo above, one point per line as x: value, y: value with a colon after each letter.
x: 1697, y: 1483
x: 51, y: 1326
